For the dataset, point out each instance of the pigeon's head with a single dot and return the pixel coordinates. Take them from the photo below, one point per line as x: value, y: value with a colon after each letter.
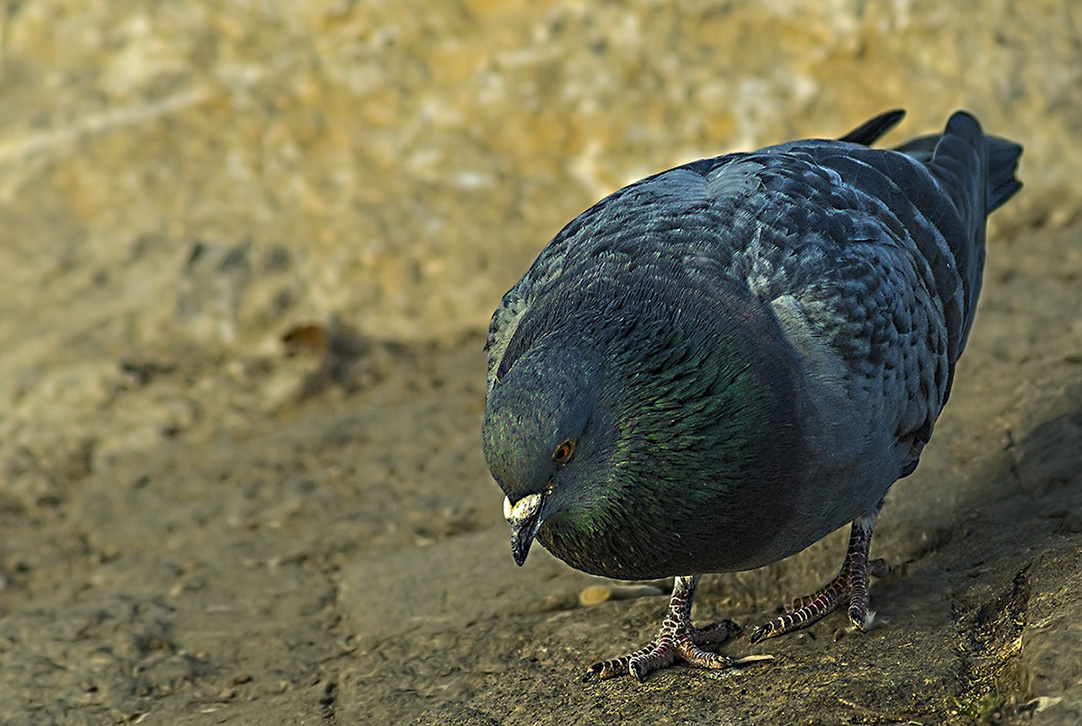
x: 544, y: 437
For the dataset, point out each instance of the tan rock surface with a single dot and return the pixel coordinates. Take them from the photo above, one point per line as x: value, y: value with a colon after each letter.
x: 196, y: 513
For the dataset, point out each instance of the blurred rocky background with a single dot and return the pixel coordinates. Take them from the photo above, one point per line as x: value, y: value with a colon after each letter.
x: 248, y: 251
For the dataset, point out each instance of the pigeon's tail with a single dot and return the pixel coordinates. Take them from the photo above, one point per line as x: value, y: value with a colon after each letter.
x: 952, y: 156
x: 977, y: 173
x: 1002, y: 165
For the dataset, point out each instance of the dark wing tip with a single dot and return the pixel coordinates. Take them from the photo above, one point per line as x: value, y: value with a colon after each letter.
x: 872, y: 130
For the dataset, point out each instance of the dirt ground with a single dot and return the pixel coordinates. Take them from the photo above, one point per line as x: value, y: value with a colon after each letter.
x: 247, y: 257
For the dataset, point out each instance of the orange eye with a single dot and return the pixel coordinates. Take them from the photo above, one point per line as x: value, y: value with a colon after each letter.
x: 564, y: 452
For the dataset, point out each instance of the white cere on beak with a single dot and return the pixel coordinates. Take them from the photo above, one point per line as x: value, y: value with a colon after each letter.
x: 525, y: 520
x: 524, y: 509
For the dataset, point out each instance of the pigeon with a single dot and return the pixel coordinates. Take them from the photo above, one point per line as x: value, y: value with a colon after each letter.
x: 716, y: 366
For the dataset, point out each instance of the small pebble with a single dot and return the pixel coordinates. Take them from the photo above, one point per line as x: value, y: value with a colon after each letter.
x: 595, y: 595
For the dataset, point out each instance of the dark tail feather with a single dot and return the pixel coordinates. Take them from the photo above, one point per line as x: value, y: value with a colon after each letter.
x: 977, y: 173
x: 920, y: 148
x: 1002, y: 165
x: 960, y: 165
x: 870, y: 131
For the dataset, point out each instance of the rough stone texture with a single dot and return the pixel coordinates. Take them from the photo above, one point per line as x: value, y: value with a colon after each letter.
x: 247, y: 257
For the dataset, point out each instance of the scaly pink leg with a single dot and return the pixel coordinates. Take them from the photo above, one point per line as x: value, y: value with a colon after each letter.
x: 677, y: 639
x: 850, y: 585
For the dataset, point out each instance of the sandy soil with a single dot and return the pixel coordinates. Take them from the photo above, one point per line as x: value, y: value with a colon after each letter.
x: 247, y: 258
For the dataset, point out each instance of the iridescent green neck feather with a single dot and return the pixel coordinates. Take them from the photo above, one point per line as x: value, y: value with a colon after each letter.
x: 680, y: 401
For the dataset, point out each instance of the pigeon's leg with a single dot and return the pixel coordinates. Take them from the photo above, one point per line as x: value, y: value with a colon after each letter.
x: 677, y: 639
x: 851, y: 585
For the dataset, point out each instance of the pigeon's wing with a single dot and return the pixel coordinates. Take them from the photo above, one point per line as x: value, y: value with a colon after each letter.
x: 940, y: 188
x: 882, y: 253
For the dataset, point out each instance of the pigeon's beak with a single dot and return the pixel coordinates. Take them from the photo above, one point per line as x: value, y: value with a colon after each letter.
x: 525, y: 519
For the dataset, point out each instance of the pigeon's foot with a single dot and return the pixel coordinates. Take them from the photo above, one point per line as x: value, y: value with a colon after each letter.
x: 851, y: 585
x: 678, y: 639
